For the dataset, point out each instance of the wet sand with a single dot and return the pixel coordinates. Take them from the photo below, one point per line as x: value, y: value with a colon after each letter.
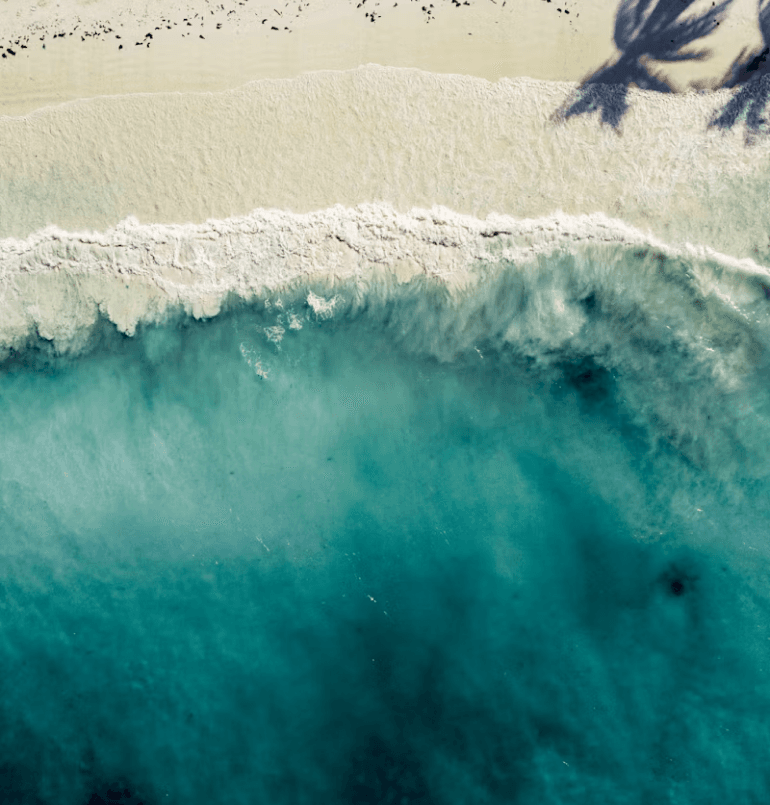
x: 406, y: 137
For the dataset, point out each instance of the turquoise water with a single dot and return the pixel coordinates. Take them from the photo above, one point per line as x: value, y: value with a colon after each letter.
x: 341, y: 562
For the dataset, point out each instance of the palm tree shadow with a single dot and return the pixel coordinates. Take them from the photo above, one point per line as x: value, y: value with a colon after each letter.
x: 644, y: 30
x: 751, y: 73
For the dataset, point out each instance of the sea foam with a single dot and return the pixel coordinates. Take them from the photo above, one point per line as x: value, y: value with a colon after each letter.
x: 685, y: 329
x: 54, y: 282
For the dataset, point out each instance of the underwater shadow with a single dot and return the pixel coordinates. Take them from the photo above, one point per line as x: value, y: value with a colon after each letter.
x: 645, y: 30
x: 751, y: 73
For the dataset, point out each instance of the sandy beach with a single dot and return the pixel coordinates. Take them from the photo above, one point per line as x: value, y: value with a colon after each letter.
x: 225, y: 47
x: 175, y: 140
x: 53, y: 53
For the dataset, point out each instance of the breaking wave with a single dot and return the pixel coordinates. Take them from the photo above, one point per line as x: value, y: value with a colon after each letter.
x: 682, y: 331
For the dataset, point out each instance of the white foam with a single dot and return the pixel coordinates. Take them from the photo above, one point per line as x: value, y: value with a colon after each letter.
x: 56, y: 283
x: 685, y: 328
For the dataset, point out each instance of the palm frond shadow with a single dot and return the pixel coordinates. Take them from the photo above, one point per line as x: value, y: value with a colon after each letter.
x: 645, y: 30
x: 750, y: 73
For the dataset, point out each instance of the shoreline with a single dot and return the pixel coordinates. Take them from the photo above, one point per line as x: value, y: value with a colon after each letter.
x: 402, y: 136
x: 56, y: 285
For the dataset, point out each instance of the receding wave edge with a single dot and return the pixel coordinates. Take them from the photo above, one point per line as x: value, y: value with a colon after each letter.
x: 684, y: 330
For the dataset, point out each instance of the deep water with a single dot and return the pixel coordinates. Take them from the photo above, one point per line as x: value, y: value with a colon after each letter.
x: 246, y: 565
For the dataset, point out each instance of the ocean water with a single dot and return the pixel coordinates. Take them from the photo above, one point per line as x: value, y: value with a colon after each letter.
x: 388, y: 539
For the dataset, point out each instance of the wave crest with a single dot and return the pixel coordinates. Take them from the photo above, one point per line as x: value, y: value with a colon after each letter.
x: 684, y: 331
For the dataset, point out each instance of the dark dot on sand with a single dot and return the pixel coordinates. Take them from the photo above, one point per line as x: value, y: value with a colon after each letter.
x: 677, y: 588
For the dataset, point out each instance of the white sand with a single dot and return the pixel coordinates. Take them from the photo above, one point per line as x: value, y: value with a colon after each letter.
x: 487, y: 39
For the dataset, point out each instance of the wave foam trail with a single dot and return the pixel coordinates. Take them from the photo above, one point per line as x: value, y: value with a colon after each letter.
x: 684, y: 331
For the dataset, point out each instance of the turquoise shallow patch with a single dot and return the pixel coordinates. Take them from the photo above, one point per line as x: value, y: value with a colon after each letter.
x: 312, y: 565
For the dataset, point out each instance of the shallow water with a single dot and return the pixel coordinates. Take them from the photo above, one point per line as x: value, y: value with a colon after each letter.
x: 344, y: 554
